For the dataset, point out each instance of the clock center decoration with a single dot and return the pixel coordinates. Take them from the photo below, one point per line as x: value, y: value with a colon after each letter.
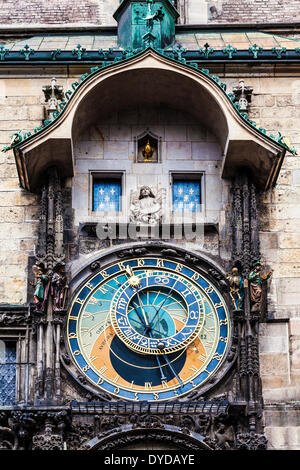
x: 148, y: 329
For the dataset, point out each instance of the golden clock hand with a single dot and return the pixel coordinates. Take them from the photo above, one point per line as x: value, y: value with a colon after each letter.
x: 134, y: 280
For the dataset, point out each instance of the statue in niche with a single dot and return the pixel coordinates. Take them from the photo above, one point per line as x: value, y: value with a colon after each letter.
x: 236, y: 288
x: 147, y: 148
x: 148, y: 152
x: 59, y: 288
x: 146, y: 206
x: 41, y: 287
x: 256, y: 279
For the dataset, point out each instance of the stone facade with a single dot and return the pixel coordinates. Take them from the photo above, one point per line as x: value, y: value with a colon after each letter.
x: 99, y: 12
x: 186, y: 146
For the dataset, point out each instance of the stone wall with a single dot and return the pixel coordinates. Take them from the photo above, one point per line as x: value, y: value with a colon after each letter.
x: 34, y: 12
x: 184, y: 146
x: 275, y: 106
x: 254, y: 11
x: 21, y: 107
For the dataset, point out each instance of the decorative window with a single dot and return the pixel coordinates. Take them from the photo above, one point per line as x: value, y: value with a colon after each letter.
x: 186, y: 192
x: 7, y: 372
x: 107, y: 193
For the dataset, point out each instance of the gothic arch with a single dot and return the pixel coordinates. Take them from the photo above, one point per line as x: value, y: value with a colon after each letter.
x: 171, y: 437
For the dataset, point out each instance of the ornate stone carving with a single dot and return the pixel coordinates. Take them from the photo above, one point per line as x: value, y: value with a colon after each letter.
x: 251, y: 441
x: 243, y: 95
x: 146, y: 205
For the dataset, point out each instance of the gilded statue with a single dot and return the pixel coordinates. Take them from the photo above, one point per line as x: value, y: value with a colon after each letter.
x: 148, y: 152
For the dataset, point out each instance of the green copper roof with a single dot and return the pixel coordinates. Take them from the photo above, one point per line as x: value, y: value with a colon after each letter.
x: 190, y: 40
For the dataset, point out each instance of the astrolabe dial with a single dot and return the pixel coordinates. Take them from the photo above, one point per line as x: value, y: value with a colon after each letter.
x: 164, y: 313
x: 148, y: 329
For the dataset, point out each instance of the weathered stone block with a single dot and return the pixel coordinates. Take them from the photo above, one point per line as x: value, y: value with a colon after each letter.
x: 273, y: 364
x: 175, y: 133
x: 268, y: 240
x: 296, y: 177
x: 12, y: 214
x: 179, y: 150
x: 116, y: 150
x: 289, y: 240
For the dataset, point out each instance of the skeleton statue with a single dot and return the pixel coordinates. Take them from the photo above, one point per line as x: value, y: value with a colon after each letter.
x: 236, y: 286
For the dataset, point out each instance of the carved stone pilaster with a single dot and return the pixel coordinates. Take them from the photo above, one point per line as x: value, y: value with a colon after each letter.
x: 50, y: 257
x: 251, y: 441
x: 244, y: 223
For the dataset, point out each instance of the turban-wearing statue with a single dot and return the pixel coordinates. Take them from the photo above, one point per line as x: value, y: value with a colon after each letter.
x: 256, y: 279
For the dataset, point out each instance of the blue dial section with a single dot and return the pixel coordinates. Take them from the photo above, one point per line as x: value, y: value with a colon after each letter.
x: 148, y: 371
x: 139, y: 321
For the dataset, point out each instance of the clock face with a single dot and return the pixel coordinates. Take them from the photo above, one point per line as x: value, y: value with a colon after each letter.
x: 148, y: 329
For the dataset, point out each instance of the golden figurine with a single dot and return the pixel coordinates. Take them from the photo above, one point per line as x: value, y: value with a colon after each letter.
x: 148, y: 152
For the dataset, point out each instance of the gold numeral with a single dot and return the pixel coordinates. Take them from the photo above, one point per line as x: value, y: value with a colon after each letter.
x: 219, y: 305
x: 178, y: 267
x: 208, y: 290
x: 217, y: 356
x: 102, y: 370
x: 72, y: 336
x: 121, y: 266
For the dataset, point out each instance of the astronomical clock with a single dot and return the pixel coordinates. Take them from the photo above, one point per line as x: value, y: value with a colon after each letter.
x: 148, y: 329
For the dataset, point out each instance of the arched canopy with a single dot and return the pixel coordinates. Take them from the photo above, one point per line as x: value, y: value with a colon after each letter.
x: 147, y: 79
